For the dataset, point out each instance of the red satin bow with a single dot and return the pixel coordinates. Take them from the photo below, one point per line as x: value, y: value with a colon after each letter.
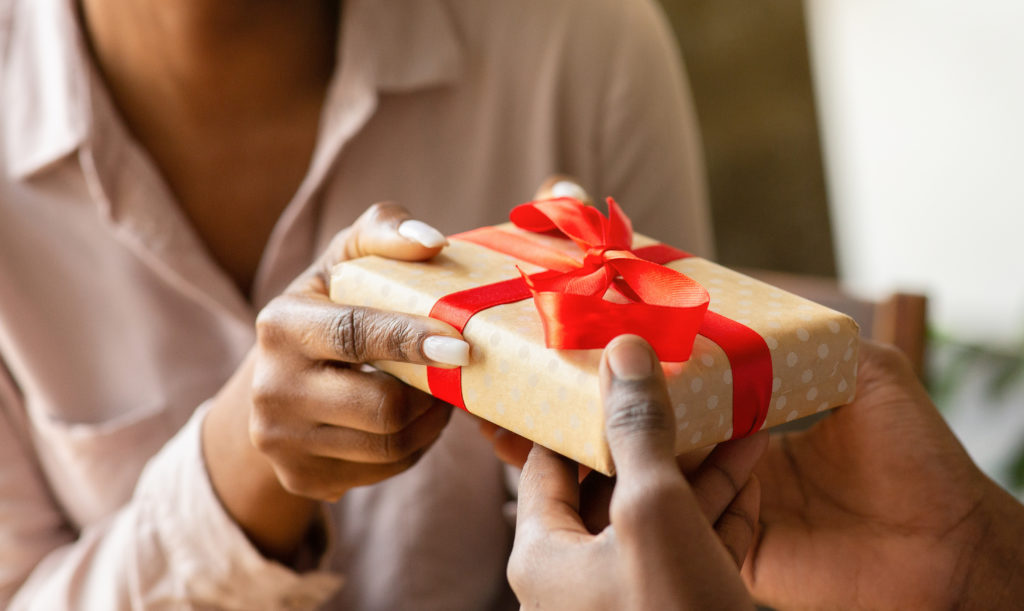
x: 662, y: 305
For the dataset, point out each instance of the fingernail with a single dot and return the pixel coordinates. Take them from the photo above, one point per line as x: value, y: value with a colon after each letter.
x: 566, y: 188
x: 422, y: 233
x: 630, y: 360
x: 447, y: 350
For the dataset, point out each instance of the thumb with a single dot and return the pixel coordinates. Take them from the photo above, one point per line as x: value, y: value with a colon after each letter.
x: 560, y: 185
x: 385, y: 229
x: 638, y: 418
x: 388, y: 230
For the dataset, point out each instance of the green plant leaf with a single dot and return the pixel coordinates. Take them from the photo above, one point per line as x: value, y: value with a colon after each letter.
x: 1017, y: 471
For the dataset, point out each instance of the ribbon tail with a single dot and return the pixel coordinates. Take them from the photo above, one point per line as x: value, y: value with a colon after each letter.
x: 619, y: 231
x: 581, y: 322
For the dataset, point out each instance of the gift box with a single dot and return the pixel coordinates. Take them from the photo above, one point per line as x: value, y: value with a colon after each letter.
x: 538, y: 298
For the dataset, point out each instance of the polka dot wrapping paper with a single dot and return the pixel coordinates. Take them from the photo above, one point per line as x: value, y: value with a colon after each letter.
x: 552, y: 396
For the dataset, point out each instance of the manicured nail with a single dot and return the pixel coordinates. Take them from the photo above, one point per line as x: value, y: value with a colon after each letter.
x: 566, y: 188
x: 422, y: 233
x: 630, y: 360
x: 447, y: 350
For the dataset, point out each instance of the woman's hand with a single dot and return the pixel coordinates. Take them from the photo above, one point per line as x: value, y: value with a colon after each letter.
x: 879, y: 507
x: 670, y: 544
x: 301, y: 420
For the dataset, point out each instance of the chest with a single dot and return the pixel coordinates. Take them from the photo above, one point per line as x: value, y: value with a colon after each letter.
x: 232, y: 179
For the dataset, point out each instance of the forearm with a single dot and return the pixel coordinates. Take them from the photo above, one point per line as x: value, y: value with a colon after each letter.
x: 276, y: 521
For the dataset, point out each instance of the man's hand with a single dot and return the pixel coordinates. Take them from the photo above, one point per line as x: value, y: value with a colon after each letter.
x: 879, y: 507
x: 660, y: 550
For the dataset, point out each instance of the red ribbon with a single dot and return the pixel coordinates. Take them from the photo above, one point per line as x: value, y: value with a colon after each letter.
x: 662, y: 305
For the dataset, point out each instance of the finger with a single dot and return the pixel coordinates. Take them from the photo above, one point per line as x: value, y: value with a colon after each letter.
x: 884, y: 369
x: 724, y: 473
x: 320, y: 329
x: 737, y: 523
x: 560, y: 185
x: 388, y: 230
x: 385, y: 229
x: 548, y: 529
x: 486, y: 428
x: 548, y: 495
x: 638, y: 420
x: 328, y: 479
x: 511, y: 448
x: 370, y: 401
x: 361, y: 447
x: 374, y: 402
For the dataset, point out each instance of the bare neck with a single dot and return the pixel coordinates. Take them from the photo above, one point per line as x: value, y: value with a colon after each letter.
x: 226, y: 97
x: 209, y: 57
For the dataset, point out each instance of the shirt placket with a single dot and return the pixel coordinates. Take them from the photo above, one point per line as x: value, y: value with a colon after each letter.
x: 349, y: 104
x: 128, y: 188
x: 350, y: 101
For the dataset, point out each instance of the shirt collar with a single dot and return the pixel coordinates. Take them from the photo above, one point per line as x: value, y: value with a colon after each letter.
x: 45, y: 106
x: 397, y: 45
x: 414, y: 44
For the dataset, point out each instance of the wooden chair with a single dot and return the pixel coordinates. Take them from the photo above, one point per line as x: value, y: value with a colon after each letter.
x: 899, y: 319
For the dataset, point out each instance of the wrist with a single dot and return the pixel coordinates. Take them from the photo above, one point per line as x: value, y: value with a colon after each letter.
x: 277, y: 522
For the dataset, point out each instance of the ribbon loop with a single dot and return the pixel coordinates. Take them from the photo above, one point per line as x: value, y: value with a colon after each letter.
x: 662, y: 305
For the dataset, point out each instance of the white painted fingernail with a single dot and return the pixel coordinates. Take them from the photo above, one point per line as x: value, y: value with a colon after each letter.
x: 448, y: 350
x: 566, y: 188
x: 422, y: 233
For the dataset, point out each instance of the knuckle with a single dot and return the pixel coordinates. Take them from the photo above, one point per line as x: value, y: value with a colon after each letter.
x: 392, y: 411
x: 263, y: 434
x: 735, y: 529
x: 409, y: 460
x: 269, y: 420
x: 361, y: 334
x: 397, y: 446
x: 272, y: 392
x: 517, y: 571
x: 884, y: 362
x: 644, y: 503
x: 383, y: 212
x: 892, y: 358
x: 527, y: 550
x: 297, y: 482
x: 633, y: 411
x: 725, y: 477
x: 372, y: 216
x: 265, y: 392
x: 345, y: 333
x: 310, y: 483
x: 400, y: 339
x: 738, y: 519
x: 270, y: 324
x: 375, y: 211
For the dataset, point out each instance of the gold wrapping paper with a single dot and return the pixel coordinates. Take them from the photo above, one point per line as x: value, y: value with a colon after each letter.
x: 553, y: 397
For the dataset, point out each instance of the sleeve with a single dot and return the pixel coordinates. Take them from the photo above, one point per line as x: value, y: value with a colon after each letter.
x: 648, y: 141
x: 171, y: 546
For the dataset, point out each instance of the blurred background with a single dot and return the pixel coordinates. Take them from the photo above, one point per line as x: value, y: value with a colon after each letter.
x: 875, y: 147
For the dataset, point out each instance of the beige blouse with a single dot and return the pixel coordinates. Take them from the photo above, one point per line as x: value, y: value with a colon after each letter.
x: 116, y: 325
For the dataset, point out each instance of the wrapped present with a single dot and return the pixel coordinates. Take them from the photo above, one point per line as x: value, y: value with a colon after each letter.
x: 537, y: 299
